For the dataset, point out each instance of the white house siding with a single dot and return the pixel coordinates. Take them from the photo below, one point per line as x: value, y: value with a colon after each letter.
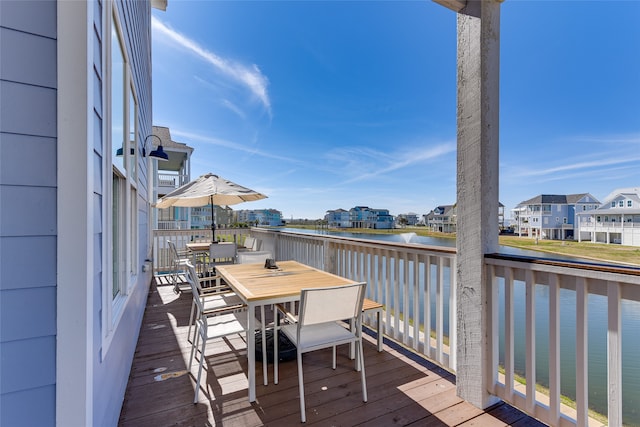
x: 27, y: 212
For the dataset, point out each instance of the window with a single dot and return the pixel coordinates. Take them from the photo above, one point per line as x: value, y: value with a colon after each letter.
x: 121, y: 239
x: 629, y: 203
x: 564, y: 220
x: 621, y: 203
x: 613, y: 204
x: 118, y: 220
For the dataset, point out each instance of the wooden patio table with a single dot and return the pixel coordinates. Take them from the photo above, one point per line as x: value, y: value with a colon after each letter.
x: 258, y: 287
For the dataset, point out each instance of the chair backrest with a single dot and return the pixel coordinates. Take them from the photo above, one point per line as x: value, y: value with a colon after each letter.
x: 250, y: 257
x: 321, y: 305
x: 222, y: 251
x: 194, y: 282
x: 174, y: 250
x: 249, y: 242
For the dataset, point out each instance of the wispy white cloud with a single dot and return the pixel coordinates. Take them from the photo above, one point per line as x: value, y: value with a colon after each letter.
x: 360, y: 160
x: 247, y: 75
x: 231, y: 145
x: 592, y: 164
x: 233, y: 107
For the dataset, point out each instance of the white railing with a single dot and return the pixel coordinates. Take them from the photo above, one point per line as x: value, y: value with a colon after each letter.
x: 574, y: 301
x: 173, y: 225
x: 533, y: 302
x: 413, y: 282
x: 172, y: 179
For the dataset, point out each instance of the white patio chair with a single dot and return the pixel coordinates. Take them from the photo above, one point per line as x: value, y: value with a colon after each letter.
x: 222, y: 322
x: 249, y: 244
x: 213, y: 297
x: 249, y: 257
x: 221, y: 253
x: 320, y: 324
x: 178, y: 269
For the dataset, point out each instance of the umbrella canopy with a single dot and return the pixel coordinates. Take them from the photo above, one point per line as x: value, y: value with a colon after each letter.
x: 208, y: 189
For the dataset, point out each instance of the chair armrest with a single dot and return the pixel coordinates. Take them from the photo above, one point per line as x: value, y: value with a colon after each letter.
x: 225, y: 309
x: 288, y: 316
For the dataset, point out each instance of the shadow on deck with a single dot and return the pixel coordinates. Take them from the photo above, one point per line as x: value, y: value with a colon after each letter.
x: 403, y: 388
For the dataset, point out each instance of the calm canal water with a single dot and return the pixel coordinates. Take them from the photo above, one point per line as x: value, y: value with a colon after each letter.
x: 597, y: 330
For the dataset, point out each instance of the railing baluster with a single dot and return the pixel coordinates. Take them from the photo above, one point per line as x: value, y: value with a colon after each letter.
x: 530, y: 333
x: 614, y: 343
x: 582, y: 348
x: 554, y: 350
x: 508, y: 333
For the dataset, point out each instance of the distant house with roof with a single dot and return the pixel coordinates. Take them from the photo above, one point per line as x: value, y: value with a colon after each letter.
x: 338, y: 218
x: 366, y: 217
x: 360, y: 217
x: 551, y: 216
x: 410, y: 218
x: 442, y: 219
x: 271, y: 217
x: 617, y: 220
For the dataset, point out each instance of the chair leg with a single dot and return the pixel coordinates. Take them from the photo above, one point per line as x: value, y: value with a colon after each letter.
x: 264, y: 346
x: 363, y: 377
x: 195, y: 398
x: 333, y: 351
x: 194, y: 345
x: 303, y: 414
x: 276, y: 354
x: 379, y: 316
x: 191, y: 320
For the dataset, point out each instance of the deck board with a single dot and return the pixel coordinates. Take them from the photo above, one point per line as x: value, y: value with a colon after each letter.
x: 403, y: 388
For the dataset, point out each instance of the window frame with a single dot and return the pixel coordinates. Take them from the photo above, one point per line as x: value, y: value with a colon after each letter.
x: 125, y: 226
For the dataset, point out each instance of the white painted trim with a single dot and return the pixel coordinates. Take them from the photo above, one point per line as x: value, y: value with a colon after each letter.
x: 74, y: 348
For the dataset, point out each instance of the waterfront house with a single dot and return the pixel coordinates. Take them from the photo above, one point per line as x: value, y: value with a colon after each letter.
x: 617, y: 220
x: 269, y: 217
x: 366, y: 217
x: 338, y: 218
x: 551, y: 216
x: 75, y: 79
x: 442, y: 219
x: 410, y: 218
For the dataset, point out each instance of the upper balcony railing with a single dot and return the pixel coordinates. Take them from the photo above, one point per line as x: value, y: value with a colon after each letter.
x: 168, y: 182
x: 555, y: 323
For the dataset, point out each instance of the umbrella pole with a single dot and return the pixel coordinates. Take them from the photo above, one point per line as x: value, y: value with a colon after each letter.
x: 213, y: 221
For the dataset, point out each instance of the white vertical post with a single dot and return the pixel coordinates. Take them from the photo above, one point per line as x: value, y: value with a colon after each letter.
x: 477, y: 189
x: 614, y: 355
x: 582, y: 346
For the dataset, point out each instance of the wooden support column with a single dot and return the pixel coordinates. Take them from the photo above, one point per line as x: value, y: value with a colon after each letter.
x: 477, y: 191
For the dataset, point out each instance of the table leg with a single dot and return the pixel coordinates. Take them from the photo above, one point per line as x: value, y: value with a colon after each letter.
x: 251, y: 351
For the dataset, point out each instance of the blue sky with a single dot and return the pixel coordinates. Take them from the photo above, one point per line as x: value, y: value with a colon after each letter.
x: 333, y: 104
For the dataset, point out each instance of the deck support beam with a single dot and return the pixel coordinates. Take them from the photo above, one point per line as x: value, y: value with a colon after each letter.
x: 477, y: 191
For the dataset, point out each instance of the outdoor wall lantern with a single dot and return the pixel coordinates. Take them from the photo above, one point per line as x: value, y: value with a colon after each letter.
x: 159, y: 154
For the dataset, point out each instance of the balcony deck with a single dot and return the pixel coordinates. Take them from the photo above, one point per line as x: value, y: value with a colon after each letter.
x: 403, y: 388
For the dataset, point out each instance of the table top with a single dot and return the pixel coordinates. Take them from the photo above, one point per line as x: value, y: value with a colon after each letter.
x: 254, y: 283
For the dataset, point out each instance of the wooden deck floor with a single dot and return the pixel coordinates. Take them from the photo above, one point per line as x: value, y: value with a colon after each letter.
x: 403, y: 388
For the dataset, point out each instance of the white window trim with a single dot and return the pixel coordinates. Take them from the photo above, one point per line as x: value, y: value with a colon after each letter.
x: 114, y: 308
